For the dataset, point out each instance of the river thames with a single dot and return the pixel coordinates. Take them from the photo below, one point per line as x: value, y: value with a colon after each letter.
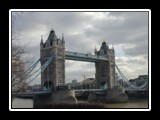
x: 139, y: 103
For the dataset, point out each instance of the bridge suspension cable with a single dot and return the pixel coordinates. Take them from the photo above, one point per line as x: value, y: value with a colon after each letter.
x: 31, y: 68
x: 127, y: 81
x: 43, y: 67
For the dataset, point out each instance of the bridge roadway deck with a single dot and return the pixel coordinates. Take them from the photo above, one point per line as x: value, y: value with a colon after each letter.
x: 84, y: 57
x: 31, y: 93
x: 78, y: 92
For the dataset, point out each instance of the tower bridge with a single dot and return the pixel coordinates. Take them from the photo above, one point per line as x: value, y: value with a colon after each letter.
x: 104, y: 60
x: 52, y: 59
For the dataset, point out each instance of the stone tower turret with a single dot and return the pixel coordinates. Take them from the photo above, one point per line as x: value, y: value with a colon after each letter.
x: 105, y: 70
x: 41, y: 44
x: 54, y: 74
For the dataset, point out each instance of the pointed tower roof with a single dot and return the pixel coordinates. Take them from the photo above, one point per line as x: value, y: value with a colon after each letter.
x: 62, y: 37
x: 41, y: 39
x: 52, y: 36
x: 105, y: 47
x: 95, y: 49
x: 112, y: 46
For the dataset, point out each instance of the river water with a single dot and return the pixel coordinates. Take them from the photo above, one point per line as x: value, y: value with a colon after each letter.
x: 132, y: 103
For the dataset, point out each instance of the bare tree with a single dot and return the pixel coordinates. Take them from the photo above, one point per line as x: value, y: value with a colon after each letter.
x: 20, y: 59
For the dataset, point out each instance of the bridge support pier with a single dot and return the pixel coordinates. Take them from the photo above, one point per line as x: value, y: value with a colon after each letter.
x: 116, y: 95
x: 55, y: 98
x: 105, y: 70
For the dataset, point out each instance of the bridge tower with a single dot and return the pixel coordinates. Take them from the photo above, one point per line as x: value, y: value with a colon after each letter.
x: 54, y: 74
x: 105, y: 70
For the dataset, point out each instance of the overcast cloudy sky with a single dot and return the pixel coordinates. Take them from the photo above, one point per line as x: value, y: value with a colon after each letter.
x: 127, y: 31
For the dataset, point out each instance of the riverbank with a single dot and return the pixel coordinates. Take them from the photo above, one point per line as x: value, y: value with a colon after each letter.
x: 73, y: 106
x: 132, y: 103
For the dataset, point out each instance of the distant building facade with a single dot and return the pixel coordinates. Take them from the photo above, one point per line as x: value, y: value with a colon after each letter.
x: 88, y: 83
x: 74, y: 84
x: 140, y: 80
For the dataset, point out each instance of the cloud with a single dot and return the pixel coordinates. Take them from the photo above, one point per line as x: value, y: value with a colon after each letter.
x: 132, y: 66
x: 127, y: 31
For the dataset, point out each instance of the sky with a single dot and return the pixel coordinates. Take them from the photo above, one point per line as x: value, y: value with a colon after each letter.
x: 83, y: 31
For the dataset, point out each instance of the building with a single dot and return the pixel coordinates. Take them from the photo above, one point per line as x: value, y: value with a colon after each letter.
x: 54, y: 74
x: 105, y: 70
x: 88, y: 83
x: 140, y: 80
x: 74, y: 84
x: 143, y: 77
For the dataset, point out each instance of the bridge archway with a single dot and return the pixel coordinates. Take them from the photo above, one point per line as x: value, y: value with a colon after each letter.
x: 48, y: 85
x: 103, y: 85
x: 84, y: 70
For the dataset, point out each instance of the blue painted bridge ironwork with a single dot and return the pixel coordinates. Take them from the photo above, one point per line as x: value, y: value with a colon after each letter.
x: 84, y: 57
x: 31, y: 94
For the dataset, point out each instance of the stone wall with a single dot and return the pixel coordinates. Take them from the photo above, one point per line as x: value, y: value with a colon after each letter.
x: 116, y: 95
x: 55, y: 72
x: 56, y: 97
